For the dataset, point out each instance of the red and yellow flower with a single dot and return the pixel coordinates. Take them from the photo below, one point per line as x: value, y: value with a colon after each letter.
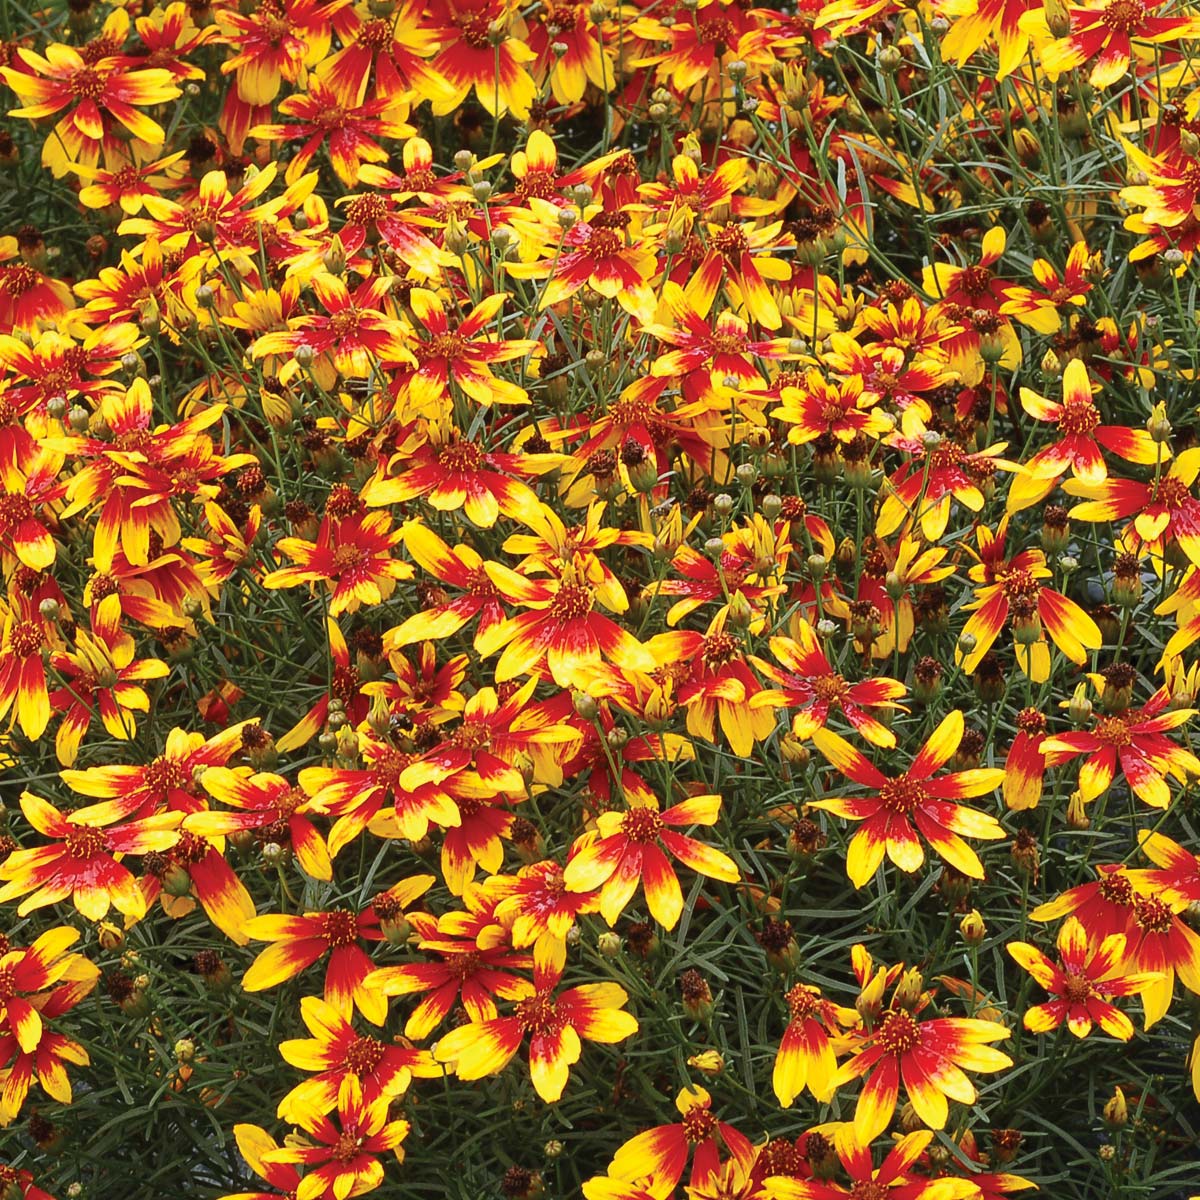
x: 916, y: 797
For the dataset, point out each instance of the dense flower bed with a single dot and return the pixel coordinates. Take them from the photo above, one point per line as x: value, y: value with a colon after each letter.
x: 599, y: 598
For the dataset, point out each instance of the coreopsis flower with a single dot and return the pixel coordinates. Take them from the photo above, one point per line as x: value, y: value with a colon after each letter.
x: 714, y: 682
x: 276, y: 41
x: 1157, y: 941
x: 342, y: 1159
x: 130, y: 291
x: 1103, y: 32
x: 590, y: 50
x: 469, y: 970
x: 752, y: 563
x: 25, y: 514
x: 561, y: 630
x: 100, y: 675
x: 601, y: 250
x: 806, y: 1057
x: 226, y: 546
x: 808, y: 682
x: 83, y: 859
x: 389, y: 51
x: 1166, y: 200
x: 921, y: 492
x: 1014, y: 588
x: 1134, y: 740
x: 99, y: 94
x: 702, y: 192
x: 556, y: 1022
x: 890, y: 376
x: 127, y: 185
x: 269, y: 806
x: 493, y: 735
x: 914, y: 798
x: 1054, y: 291
x: 26, y: 974
x: 372, y: 218
x: 355, y: 796
x: 839, y: 408
x: 479, y: 51
x: 1164, y: 512
x: 351, y: 556
x: 893, y: 1179
x: 169, y: 782
x: 1082, y: 984
x: 705, y: 347
x: 627, y: 848
x: 696, y: 47
x: 63, y: 366
x: 1081, y: 443
x: 461, y: 355
x: 455, y: 473
x: 110, y: 480
x: 740, y: 257
x: 356, y: 330
x: 43, y: 1058
x: 299, y: 941
x: 351, y: 128
x: 424, y: 691
x: 217, y: 224
x: 335, y: 1051
x: 28, y: 297
x: 927, y: 1056
x: 659, y: 1156
x: 537, y: 910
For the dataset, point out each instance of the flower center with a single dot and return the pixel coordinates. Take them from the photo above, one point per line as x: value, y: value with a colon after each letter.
x: 604, y: 243
x: 1079, y: 416
x: 1172, y: 492
x: 84, y: 842
x: 1114, y: 731
x: 345, y: 558
x: 26, y: 638
x: 1152, y: 915
x: 802, y: 1002
x: 641, y: 824
x: 340, y: 927
x: 1124, y: 16
x: 363, y: 1056
x: 572, y: 603
x: 88, y: 84
x: 538, y: 1013
x: 460, y: 456
x: 830, y: 688
x: 364, y: 209
x: 902, y: 795
x: 345, y: 323
x: 698, y: 1124
x: 348, y: 1145
x: 720, y: 649
x: 1077, y: 988
x: 898, y: 1034
x: 975, y: 281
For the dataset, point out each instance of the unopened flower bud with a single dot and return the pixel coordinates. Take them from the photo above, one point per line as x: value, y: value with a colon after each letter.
x: 1116, y: 1110
x: 972, y: 928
